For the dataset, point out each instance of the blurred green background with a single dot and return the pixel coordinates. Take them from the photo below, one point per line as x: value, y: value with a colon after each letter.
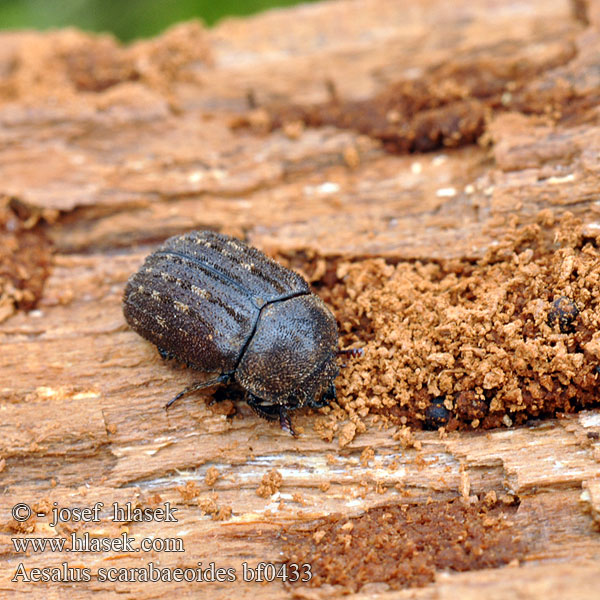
x: 127, y: 19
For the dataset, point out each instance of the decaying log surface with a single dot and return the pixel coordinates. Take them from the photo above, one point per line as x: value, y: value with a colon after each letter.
x: 106, y: 150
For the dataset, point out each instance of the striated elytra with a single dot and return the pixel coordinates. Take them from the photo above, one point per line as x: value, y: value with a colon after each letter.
x: 223, y: 307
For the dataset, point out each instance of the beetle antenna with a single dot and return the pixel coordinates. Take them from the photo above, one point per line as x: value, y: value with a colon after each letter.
x: 351, y: 352
x: 198, y: 386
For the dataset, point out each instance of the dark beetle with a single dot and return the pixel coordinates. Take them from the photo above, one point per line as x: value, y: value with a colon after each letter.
x: 565, y: 312
x: 223, y: 307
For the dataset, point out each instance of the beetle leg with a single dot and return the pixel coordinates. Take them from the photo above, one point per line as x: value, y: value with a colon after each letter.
x: 326, y: 398
x: 223, y: 378
x: 271, y: 412
x: 266, y: 411
x: 165, y: 354
x: 284, y: 421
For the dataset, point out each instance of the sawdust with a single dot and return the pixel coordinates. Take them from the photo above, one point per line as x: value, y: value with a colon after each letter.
x: 271, y: 482
x: 212, y: 475
x: 469, y: 344
x: 24, y: 258
x: 209, y: 505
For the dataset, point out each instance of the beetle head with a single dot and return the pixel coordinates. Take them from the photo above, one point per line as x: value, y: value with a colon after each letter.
x: 291, y: 358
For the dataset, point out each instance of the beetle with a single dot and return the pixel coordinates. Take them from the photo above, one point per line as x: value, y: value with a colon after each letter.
x: 564, y: 311
x: 224, y: 307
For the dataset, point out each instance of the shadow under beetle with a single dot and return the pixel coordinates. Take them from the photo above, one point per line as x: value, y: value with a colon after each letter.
x: 221, y: 306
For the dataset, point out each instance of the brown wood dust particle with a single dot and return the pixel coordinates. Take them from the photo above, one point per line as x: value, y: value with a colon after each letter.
x: 475, y: 344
